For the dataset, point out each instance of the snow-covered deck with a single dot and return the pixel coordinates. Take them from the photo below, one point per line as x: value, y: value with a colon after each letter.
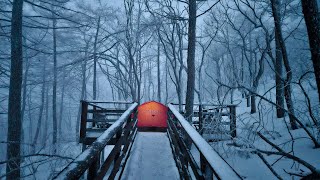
x: 151, y: 158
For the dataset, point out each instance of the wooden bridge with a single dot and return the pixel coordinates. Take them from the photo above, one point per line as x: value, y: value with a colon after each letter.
x: 114, y: 148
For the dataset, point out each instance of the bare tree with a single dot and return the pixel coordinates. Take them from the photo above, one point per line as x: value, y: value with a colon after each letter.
x: 310, y: 9
x: 190, y: 59
x: 14, y: 106
x: 287, y: 85
x: 54, y: 86
x: 255, y: 18
x: 172, y: 46
x: 94, y: 90
x: 39, y: 122
x: 158, y: 70
x: 83, y: 94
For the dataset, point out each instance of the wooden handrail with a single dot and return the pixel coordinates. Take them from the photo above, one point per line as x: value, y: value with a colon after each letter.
x: 90, y: 108
x: 91, y: 156
x: 108, y: 102
x: 203, y: 111
x: 211, y: 162
x: 207, y: 104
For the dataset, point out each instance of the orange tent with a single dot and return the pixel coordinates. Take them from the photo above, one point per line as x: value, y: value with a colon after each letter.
x: 152, y: 114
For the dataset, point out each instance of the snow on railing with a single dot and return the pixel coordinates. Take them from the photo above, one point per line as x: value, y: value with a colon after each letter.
x: 77, y: 167
x: 108, y: 102
x: 220, y: 168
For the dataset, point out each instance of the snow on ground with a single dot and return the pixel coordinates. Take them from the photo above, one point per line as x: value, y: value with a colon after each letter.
x: 42, y: 167
x: 151, y: 158
x: 275, y: 129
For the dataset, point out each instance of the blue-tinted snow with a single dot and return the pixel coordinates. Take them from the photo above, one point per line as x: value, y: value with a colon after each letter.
x: 151, y: 158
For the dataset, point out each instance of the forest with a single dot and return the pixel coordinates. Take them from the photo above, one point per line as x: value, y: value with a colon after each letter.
x: 260, y: 56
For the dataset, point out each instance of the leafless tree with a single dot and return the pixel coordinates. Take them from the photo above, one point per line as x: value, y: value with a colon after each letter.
x: 311, y: 15
x: 14, y: 107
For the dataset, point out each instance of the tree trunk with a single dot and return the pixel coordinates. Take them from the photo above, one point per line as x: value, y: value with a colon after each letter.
x: 287, y: 93
x: 167, y: 72
x: 83, y: 89
x: 287, y: 86
x: 54, y: 87
x: 311, y: 15
x: 14, y: 105
x: 46, y: 119
x: 147, y: 82
x: 24, y: 84
x: 35, y: 139
x: 95, y: 62
x: 30, y: 127
x: 248, y: 99
x: 199, y: 88
x: 279, y: 80
x: 138, y: 75
x: 190, y: 59
x: 24, y: 91
x: 278, y: 71
x: 178, y: 89
x: 219, y: 79
x: 256, y: 82
x: 253, y: 104
x: 62, y: 104
x: 158, y: 72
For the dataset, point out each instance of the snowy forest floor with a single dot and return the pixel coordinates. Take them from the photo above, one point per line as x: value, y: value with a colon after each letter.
x: 238, y: 152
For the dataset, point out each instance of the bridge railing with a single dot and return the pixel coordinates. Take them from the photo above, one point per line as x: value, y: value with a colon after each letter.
x: 220, y: 110
x: 96, y: 116
x: 92, y: 160
x: 203, y: 164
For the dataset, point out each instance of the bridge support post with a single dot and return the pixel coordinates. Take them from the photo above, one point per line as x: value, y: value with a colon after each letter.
x: 233, y: 121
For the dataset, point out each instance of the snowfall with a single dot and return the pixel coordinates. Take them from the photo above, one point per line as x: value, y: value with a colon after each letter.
x: 151, y: 156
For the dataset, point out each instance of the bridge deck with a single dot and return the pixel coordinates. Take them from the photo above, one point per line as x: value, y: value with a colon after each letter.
x: 151, y: 158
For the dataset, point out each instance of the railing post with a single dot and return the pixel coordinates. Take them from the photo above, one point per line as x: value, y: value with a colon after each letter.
x: 205, y: 168
x: 83, y: 125
x: 94, y: 116
x: 208, y: 173
x: 202, y: 162
x: 118, y: 138
x: 233, y: 121
x: 93, y: 169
